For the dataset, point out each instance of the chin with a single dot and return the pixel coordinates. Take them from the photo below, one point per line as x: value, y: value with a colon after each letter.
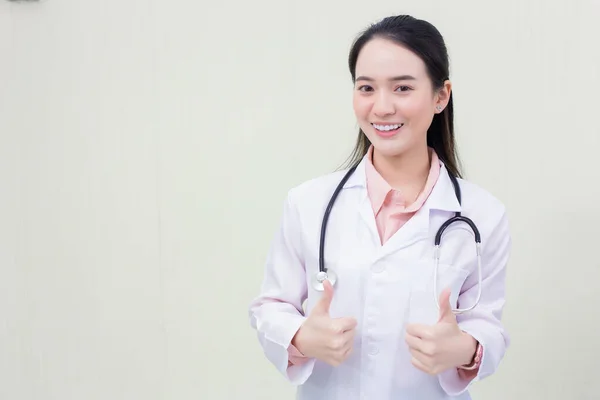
x: 402, y: 143
x: 393, y: 147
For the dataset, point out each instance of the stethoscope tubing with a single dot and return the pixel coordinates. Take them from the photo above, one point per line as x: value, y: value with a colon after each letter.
x: 324, y: 273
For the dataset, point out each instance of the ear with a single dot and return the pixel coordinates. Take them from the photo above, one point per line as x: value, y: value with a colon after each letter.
x: 442, y: 97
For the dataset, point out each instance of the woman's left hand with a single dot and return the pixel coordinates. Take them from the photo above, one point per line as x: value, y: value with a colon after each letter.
x: 442, y: 346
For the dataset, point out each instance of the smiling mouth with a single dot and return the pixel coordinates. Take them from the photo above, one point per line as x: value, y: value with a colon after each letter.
x: 387, y: 128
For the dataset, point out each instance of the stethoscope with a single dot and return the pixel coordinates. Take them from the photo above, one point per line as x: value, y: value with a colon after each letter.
x: 330, y: 275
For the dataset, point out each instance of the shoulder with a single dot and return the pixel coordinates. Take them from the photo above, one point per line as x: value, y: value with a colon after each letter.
x: 476, y: 197
x: 486, y: 210
x: 305, y: 203
x: 316, y: 190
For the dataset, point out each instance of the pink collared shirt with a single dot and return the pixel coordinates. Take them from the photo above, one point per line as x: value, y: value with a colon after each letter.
x: 391, y: 213
x: 389, y: 205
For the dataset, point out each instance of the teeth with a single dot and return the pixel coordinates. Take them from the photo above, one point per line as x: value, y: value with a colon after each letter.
x: 387, y: 127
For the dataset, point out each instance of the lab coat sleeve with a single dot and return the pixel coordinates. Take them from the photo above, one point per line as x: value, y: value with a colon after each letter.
x: 276, y: 313
x: 484, y: 322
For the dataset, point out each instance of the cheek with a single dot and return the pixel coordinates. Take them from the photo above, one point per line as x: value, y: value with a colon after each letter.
x: 418, y: 111
x: 361, y: 107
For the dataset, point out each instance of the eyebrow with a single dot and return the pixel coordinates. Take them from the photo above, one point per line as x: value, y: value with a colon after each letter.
x: 392, y: 79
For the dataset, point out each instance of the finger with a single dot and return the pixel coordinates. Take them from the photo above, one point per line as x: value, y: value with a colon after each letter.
x: 337, y: 357
x: 340, y: 343
x: 348, y: 352
x: 426, y: 348
x: 446, y: 314
x: 419, y: 330
x: 425, y: 359
x: 344, y: 324
x: 348, y: 337
x: 414, y: 342
x: 322, y: 306
x: 415, y: 361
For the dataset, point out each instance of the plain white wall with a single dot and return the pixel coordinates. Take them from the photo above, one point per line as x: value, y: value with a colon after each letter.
x: 146, y: 147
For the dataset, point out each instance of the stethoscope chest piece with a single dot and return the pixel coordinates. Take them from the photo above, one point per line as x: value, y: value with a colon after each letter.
x: 320, y: 277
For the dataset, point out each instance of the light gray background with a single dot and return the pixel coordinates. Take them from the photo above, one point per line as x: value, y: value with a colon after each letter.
x: 146, y: 147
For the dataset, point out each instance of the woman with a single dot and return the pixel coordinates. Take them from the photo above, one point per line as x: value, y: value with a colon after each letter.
x: 378, y: 332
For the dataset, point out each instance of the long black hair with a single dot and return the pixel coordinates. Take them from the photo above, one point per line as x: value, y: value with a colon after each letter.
x: 423, y: 39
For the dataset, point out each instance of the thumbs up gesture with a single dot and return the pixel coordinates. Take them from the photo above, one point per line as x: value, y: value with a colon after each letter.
x: 442, y: 346
x: 325, y: 338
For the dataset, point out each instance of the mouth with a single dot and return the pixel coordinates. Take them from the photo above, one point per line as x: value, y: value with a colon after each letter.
x: 387, y: 129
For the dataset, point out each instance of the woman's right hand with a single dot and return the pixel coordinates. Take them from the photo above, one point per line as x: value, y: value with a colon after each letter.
x: 322, y: 337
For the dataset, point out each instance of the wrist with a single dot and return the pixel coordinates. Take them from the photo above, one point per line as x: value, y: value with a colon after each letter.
x: 295, y: 340
x: 470, y: 352
x: 298, y: 340
x: 475, y: 359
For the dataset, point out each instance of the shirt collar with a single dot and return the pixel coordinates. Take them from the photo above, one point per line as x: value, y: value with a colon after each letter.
x: 379, y: 190
x: 442, y: 196
x: 377, y: 187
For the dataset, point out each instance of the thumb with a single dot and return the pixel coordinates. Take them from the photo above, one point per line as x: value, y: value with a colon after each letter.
x: 446, y: 314
x: 322, y: 306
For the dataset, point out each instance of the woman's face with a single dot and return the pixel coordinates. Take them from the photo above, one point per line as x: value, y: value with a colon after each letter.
x: 394, y: 101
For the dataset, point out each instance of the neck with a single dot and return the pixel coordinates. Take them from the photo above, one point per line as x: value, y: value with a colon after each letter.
x: 406, y: 172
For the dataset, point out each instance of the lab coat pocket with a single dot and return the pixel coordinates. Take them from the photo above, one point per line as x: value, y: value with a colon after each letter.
x: 423, y: 308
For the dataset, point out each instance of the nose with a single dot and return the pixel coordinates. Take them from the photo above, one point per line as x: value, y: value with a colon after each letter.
x: 383, y: 105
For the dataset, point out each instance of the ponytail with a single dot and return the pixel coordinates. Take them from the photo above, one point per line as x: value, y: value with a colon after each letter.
x: 440, y: 137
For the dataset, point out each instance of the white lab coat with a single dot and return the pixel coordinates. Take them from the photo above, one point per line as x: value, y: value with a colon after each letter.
x: 385, y: 287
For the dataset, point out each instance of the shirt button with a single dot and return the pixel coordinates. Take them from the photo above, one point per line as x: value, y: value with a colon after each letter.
x: 377, y: 268
x: 373, y: 350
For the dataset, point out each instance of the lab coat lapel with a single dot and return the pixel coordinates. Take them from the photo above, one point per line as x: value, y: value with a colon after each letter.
x: 358, y: 180
x: 442, y: 197
x: 417, y: 228
x: 368, y: 217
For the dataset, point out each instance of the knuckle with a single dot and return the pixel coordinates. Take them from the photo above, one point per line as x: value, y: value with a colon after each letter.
x: 335, y: 344
x: 336, y: 328
x: 432, y: 349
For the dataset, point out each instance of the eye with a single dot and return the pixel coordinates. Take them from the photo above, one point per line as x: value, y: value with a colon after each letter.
x: 404, y: 88
x: 365, y: 88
